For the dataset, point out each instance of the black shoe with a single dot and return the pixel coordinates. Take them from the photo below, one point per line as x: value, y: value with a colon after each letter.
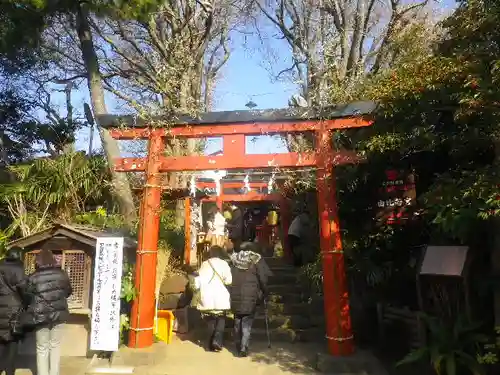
x: 215, y: 348
x: 243, y: 353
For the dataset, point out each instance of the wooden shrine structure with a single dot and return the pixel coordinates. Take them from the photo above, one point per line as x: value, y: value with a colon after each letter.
x: 233, y: 127
x: 259, y: 193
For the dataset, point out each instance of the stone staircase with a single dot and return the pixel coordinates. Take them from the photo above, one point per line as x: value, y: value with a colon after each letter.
x: 291, y: 318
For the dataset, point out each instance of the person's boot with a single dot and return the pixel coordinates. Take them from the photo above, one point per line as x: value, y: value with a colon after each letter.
x: 238, y: 346
x: 215, y: 348
x: 243, y: 349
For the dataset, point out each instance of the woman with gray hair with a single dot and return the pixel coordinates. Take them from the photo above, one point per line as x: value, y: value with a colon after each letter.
x: 250, y: 275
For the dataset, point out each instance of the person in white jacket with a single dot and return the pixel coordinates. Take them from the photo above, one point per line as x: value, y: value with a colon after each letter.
x: 212, y: 282
x: 217, y: 228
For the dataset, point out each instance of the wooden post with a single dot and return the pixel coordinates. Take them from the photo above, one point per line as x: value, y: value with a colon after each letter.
x: 336, y: 295
x: 187, y: 231
x: 143, y: 308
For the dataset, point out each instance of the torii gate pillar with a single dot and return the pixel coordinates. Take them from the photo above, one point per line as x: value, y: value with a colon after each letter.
x: 143, y: 309
x: 335, y: 290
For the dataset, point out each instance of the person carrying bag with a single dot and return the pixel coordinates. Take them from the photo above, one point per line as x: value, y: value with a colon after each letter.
x: 212, y: 296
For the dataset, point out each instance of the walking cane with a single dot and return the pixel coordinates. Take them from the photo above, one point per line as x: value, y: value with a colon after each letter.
x: 266, y: 317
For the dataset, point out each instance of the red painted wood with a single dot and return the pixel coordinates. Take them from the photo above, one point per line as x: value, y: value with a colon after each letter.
x: 337, y: 314
x: 225, y: 162
x: 336, y: 294
x: 234, y: 145
x: 218, y: 130
x: 250, y: 197
x: 143, y: 308
x: 229, y: 185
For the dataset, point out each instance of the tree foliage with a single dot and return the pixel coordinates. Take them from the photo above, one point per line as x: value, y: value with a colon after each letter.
x: 439, y: 115
x: 58, y: 189
x: 336, y: 44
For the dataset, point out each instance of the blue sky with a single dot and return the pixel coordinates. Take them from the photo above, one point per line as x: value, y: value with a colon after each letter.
x: 244, y: 77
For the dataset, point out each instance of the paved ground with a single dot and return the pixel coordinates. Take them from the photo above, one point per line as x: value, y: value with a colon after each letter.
x: 69, y: 366
x: 187, y: 357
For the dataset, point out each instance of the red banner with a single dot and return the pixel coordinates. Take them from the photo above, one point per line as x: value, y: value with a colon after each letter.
x: 397, y: 197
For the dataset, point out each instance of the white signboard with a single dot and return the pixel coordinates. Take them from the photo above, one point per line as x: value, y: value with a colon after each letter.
x: 105, y: 327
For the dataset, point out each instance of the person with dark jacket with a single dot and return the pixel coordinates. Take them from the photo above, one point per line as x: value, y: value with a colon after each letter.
x: 250, y: 275
x: 12, y: 285
x: 235, y: 227
x: 48, y: 289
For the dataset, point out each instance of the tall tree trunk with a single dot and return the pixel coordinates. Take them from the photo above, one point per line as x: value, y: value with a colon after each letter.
x: 69, y: 147
x: 120, y: 182
x: 188, y: 92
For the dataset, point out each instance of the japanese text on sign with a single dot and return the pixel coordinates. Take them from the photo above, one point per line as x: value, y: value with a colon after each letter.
x: 105, y: 330
x: 397, y: 197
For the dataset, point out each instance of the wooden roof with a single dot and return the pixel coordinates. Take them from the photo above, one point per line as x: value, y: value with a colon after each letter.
x: 84, y: 234
x: 233, y: 117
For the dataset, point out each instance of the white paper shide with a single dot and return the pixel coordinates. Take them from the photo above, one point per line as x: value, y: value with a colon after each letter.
x: 105, y: 333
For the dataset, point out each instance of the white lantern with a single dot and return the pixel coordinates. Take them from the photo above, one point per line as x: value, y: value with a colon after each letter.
x: 246, y: 181
x: 192, y: 186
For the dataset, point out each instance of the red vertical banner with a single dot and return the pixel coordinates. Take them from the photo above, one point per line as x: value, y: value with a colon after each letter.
x: 397, y: 197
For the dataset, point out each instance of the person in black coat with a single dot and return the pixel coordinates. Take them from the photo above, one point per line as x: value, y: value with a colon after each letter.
x: 12, y: 285
x: 250, y: 275
x: 48, y: 289
x: 235, y: 227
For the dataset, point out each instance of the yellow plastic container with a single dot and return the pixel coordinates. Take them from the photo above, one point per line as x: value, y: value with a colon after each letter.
x: 272, y: 218
x: 164, y: 328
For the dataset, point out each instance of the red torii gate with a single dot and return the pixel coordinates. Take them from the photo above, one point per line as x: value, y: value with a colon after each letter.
x: 233, y: 127
x: 251, y: 196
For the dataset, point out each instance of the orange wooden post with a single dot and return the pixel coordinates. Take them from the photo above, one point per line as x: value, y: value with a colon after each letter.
x: 187, y: 231
x: 143, y: 308
x: 336, y: 295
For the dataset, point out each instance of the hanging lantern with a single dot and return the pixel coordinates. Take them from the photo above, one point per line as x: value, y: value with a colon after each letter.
x: 217, y: 185
x: 270, y: 184
x: 272, y: 218
x: 246, y: 181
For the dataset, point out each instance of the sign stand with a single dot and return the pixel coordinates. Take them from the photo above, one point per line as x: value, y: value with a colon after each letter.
x: 105, y: 318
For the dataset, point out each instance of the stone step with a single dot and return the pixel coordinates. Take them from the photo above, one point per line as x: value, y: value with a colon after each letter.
x: 284, y: 289
x: 291, y: 296
x: 283, y: 279
x: 260, y: 322
x: 284, y: 270
x: 276, y: 262
x: 282, y: 335
x: 285, y: 321
x: 293, y: 308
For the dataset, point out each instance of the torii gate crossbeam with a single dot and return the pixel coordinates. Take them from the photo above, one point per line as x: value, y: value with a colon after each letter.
x: 233, y: 127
